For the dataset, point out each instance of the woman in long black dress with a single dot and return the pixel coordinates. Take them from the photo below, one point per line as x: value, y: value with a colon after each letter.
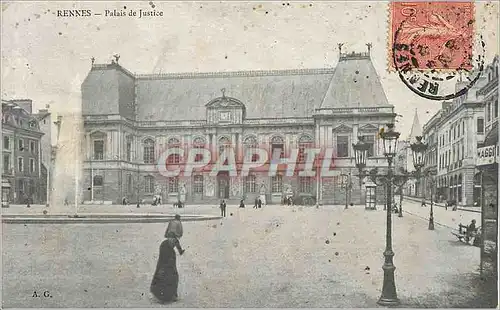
x: 166, y: 278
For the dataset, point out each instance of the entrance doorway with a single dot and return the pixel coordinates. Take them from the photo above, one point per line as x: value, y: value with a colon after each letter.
x: 223, y: 184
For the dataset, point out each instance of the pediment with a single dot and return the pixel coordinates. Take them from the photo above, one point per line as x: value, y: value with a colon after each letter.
x: 342, y: 128
x: 225, y: 102
x: 368, y: 127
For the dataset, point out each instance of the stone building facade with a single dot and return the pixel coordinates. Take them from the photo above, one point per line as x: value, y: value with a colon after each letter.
x: 456, y: 132
x: 130, y: 119
x: 486, y: 177
x: 21, y: 152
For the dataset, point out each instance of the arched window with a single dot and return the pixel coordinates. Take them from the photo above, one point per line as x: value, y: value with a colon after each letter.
x: 224, y: 144
x: 199, y: 143
x: 305, y: 142
x: 98, y: 180
x: 250, y: 144
x: 149, y: 151
x: 277, y: 146
x: 173, y: 158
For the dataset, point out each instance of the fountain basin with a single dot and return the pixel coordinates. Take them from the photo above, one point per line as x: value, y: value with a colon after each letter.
x: 102, y: 218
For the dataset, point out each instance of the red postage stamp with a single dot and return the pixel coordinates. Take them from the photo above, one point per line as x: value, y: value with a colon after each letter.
x: 438, y: 35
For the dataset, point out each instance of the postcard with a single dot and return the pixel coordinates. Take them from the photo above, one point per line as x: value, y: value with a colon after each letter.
x: 312, y: 154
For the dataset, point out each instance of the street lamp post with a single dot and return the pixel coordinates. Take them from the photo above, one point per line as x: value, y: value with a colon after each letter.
x: 418, y: 149
x: 360, y: 155
x: 390, y: 138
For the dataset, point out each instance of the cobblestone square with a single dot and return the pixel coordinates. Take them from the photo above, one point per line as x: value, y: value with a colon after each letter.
x: 272, y: 257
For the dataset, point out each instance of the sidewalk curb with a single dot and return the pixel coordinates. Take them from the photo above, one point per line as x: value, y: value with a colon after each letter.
x: 90, y: 219
x: 439, y: 204
x: 427, y: 219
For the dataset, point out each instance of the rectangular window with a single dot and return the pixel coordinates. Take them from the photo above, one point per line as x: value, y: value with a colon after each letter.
x: 6, y: 163
x: 302, y: 156
x: 305, y: 184
x: 20, y: 164
x: 32, y: 147
x: 458, y: 131
x: 370, y: 141
x: 6, y: 143
x: 174, y: 158
x: 198, y: 157
x: 488, y: 112
x: 98, y: 149
x: 198, y: 184
x: 129, y: 151
x: 278, y: 148
x: 496, y: 108
x: 250, y: 186
x: 129, y: 183
x: 342, y: 146
x: 32, y: 165
x: 149, y: 154
x: 173, y: 185
x: 277, y: 184
x: 149, y: 184
x: 480, y: 126
x: 21, y: 145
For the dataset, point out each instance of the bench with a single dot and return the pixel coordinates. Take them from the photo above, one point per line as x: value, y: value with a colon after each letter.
x: 465, y: 236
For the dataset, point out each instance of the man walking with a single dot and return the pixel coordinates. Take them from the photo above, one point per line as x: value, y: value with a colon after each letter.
x: 223, y: 208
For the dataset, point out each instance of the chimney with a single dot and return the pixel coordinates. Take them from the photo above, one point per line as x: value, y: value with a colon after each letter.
x: 24, y: 103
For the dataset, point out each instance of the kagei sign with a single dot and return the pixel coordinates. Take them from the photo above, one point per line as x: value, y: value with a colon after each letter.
x: 487, y: 155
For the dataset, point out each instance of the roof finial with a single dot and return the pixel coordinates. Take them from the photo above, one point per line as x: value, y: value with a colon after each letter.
x: 117, y: 57
x: 93, y: 60
x: 340, y: 47
x: 223, y: 92
x: 369, y: 45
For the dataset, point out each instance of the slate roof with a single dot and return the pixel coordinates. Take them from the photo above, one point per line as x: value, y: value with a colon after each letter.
x: 284, y: 93
x: 355, y: 83
x: 265, y: 94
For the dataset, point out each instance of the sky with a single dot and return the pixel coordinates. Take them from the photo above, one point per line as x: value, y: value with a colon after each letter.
x: 45, y: 58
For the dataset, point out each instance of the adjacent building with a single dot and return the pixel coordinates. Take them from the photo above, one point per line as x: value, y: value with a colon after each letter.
x: 21, y: 152
x: 486, y: 180
x: 456, y: 132
x: 129, y: 119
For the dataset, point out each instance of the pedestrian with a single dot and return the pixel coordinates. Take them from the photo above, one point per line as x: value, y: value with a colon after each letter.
x: 259, y: 203
x: 174, y: 230
x: 223, y: 208
x: 166, y: 277
x: 242, y: 204
x: 256, y: 204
